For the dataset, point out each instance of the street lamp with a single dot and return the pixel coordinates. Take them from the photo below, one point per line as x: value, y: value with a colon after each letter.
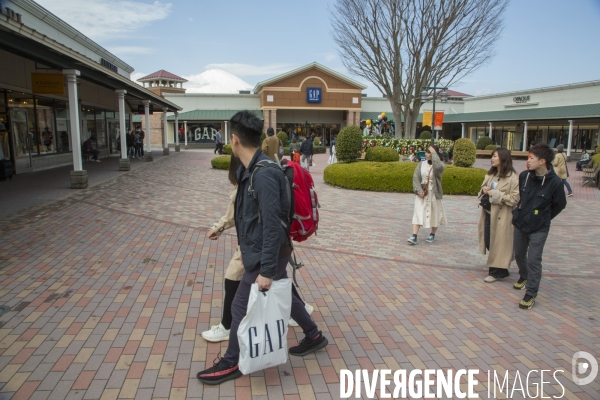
x: 443, y: 98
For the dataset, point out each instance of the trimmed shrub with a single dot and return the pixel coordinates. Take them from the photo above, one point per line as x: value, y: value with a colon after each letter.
x: 425, y: 135
x: 348, y: 144
x: 483, y: 142
x: 381, y: 154
x: 491, y: 147
x: 397, y: 177
x: 262, y: 137
x: 227, y: 149
x: 317, y: 141
x: 221, y: 162
x: 464, y: 153
x: 281, y: 135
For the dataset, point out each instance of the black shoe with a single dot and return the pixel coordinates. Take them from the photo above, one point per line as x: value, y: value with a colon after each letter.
x: 307, y: 345
x: 220, y: 372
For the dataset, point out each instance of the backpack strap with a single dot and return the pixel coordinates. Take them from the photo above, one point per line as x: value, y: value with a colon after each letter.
x: 267, y: 164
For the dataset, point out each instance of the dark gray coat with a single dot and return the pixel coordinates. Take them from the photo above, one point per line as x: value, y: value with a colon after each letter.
x: 261, y: 242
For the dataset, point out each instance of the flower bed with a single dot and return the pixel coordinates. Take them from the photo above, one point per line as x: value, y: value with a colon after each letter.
x: 405, y: 146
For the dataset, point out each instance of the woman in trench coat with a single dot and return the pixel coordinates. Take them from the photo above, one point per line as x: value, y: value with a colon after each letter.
x: 495, y: 227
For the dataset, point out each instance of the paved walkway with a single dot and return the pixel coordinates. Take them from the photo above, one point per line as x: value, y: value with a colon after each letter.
x: 110, y: 287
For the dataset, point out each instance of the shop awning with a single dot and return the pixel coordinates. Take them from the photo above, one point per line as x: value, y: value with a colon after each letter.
x: 564, y: 112
x: 210, y: 115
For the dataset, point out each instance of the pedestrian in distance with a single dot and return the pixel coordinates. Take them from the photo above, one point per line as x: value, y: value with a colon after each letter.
x: 499, y: 195
x: 541, y: 199
x: 218, y: 142
x: 307, y: 151
x: 271, y: 145
x: 264, y: 240
x: 561, y: 168
x: 427, y: 186
x: 585, y: 160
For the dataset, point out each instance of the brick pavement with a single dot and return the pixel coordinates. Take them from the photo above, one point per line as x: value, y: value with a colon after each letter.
x: 111, y: 286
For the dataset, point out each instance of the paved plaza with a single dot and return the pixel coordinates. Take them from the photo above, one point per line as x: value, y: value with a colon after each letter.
x: 110, y: 287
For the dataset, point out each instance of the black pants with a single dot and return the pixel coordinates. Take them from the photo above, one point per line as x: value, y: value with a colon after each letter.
x: 219, y: 148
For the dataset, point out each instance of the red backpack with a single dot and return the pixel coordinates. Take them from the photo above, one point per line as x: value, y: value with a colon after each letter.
x: 304, y: 204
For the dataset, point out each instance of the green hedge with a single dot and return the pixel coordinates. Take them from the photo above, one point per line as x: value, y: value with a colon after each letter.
x: 483, y: 142
x: 283, y: 137
x: 491, y: 147
x: 381, y: 154
x: 348, y: 144
x: 227, y: 149
x: 464, y: 153
x: 397, y: 177
x: 425, y: 135
x: 317, y: 141
x: 221, y: 162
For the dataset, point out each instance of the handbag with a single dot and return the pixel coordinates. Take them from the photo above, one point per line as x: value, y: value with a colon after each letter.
x: 484, y: 202
x: 425, y: 186
x: 262, y: 334
x: 566, y: 167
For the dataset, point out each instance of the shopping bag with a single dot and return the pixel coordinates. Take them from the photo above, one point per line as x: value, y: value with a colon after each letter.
x: 262, y: 334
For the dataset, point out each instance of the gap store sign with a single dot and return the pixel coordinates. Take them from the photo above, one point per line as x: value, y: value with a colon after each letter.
x: 313, y: 95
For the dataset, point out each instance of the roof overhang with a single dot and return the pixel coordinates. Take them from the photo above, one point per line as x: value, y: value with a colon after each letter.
x: 28, y: 43
x: 259, y: 86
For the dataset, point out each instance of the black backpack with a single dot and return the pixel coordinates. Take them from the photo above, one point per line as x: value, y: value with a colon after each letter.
x: 142, y: 135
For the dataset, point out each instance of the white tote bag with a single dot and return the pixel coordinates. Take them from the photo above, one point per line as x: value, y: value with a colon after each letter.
x: 262, y: 334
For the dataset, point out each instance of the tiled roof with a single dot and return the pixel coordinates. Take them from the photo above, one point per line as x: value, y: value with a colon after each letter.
x: 210, y: 115
x: 453, y: 93
x: 162, y: 74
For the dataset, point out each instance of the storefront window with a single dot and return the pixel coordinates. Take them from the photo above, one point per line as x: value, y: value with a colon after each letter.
x: 557, y: 135
x: 46, y: 130
x: 4, y: 143
x: 587, y: 137
x: 88, y: 124
x: 101, y: 140
x: 63, y: 128
x: 201, y: 132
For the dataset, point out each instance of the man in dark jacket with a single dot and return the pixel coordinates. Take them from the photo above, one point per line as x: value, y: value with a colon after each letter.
x: 264, y: 243
x: 307, y: 151
x: 542, y: 198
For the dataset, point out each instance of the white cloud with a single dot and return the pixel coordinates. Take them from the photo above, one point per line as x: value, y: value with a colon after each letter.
x: 130, y: 50
x: 137, y: 75
x: 107, y: 19
x: 215, y: 81
x: 482, y: 91
x: 329, y: 56
x: 252, y: 70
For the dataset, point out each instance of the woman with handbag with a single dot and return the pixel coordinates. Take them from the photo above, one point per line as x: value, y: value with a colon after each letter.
x: 561, y: 169
x: 499, y: 195
x: 427, y: 185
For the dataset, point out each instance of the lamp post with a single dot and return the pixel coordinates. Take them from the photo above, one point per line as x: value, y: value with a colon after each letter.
x: 444, y: 98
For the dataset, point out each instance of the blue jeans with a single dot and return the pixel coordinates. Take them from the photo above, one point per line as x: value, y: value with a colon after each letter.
x: 240, y: 306
x: 566, y: 183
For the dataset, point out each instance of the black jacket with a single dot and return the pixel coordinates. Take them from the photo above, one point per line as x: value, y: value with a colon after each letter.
x: 306, y: 148
x: 542, y: 199
x: 262, y: 242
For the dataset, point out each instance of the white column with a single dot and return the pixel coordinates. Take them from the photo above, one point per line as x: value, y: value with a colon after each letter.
x: 71, y: 75
x: 491, y: 130
x: 462, y: 132
x: 121, y: 93
x: 176, y: 131
x: 147, y: 115
x: 570, y: 142
x: 525, y: 136
x: 185, y: 131
x: 165, y: 135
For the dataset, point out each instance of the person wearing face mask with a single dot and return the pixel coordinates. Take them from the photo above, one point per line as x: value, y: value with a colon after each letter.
x: 499, y: 195
x: 542, y: 198
x: 427, y: 185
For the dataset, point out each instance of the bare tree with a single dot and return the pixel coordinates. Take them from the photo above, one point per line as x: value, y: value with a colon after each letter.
x: 401, y: 45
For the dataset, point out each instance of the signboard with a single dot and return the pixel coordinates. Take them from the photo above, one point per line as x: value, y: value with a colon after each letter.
x: 313, y: 95
x: 521, y: 99
x: 427, y: 115
x: 439, y: 120
x: 47, y: 83
x: 141, y: 110
x: 109, y: 65
x: 201, y: 132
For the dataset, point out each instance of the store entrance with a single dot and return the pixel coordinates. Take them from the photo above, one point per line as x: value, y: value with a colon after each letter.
x: 23, y: 139
x: 324, y: 131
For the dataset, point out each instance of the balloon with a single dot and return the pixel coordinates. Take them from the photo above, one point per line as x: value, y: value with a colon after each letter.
x: 368, y: 122
x: 383, y: 114
x: 379, y: 117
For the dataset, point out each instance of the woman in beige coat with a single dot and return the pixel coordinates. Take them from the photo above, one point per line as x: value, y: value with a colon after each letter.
x: 501, y: 185
x: 561, y: 169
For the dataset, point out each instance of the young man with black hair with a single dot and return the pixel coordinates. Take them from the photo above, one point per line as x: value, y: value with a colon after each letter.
x: 542, y: 198
x: 264, y: 243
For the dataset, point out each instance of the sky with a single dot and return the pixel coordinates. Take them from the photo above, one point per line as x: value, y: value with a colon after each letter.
x: 544, y: 43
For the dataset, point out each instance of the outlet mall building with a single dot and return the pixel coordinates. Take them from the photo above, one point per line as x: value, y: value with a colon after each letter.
x: 58, y: 89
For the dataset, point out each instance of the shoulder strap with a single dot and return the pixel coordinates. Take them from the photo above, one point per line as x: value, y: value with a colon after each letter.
x: 267, y: 164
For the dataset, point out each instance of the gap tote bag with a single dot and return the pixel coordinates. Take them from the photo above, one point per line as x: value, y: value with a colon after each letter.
x: 262, y: 334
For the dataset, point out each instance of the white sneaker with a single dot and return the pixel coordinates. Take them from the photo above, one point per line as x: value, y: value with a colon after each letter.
x: 309, y: 310
x: 98, y: 161
x: 217, y: 333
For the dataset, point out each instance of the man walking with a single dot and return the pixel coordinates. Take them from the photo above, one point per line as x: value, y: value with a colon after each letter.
x: 142, y: 136
x: 219, y: 142
x: 264, y: 242
x: 307, y: 151
x: 270, y: 146
x: 542, y: 199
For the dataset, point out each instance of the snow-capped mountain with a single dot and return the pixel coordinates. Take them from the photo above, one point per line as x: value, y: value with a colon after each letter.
x: 215, y: 81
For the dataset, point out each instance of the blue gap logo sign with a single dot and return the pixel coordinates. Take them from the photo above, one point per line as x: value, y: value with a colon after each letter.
x: 313, y: 95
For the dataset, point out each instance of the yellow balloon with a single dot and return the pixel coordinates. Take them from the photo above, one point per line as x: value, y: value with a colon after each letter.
x: 383, y: 115
x: 368, y: 122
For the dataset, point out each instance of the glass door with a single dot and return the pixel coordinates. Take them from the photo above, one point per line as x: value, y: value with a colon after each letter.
x: 113, y: 135
x: 23, y: 139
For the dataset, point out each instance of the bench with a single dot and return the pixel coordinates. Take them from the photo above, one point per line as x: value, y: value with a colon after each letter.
x: 590, y: 175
